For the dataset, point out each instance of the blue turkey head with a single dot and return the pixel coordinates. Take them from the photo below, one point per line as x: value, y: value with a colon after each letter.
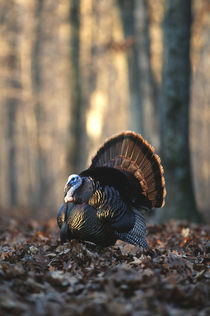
x: 73, y: 183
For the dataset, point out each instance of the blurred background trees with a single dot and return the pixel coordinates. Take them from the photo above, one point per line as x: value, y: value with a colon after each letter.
x: 74, y: 72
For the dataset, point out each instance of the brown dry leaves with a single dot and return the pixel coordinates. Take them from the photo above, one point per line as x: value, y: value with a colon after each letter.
x: 38, y: 276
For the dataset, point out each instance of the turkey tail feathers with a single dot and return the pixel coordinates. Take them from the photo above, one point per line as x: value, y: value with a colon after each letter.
x: 130, y: 153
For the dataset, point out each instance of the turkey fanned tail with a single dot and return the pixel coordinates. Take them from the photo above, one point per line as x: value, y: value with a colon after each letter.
x: 129, y: 153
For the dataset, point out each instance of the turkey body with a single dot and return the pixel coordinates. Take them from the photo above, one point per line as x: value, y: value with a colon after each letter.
x: 105, y: 202
x: 83, y: 224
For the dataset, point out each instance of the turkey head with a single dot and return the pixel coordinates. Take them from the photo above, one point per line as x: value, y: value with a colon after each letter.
x: 78, y: 189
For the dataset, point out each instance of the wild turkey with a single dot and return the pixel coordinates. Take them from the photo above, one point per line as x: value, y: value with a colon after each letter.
x: 104, y: 203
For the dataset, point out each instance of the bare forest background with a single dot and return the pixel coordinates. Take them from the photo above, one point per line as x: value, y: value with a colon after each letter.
x: 74, y: 72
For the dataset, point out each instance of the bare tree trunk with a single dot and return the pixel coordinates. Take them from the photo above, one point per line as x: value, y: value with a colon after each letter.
x: 200, y: 108
x: 147, y: 86
x: 127, y: 10
x: 10, y: 103
x: 77, y: 128
x: 180, y: 201
x: 36, y: 91
x: 143, y: 118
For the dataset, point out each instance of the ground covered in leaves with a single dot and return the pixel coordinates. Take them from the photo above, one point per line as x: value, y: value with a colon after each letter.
x: 39, y: 276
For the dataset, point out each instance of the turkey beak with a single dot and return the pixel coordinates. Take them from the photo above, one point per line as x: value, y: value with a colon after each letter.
x: 64, y: 232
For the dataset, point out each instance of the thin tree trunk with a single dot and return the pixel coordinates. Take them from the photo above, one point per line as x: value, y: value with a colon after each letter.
x: 76, y: 106
x: 127, y: 10
x: 10, y: 102
x: 36, y: 86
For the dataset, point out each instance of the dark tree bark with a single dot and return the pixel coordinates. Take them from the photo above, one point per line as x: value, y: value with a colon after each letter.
x: 180, y: 202
x: 76, y: 126
x: 12, y: 86
x: 36, y: 90
x: 11, y: 104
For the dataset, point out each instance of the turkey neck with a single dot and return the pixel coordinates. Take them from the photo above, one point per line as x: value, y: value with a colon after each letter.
x: 85, y: 191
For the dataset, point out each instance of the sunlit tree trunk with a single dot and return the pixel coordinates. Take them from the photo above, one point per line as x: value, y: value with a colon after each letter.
x: 103, y: 75
x: 200, y: 107
x: 143, y: 105
x: 175, y: 154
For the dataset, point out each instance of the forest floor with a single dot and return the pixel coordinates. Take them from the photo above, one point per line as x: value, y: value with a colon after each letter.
x: 39, y: 276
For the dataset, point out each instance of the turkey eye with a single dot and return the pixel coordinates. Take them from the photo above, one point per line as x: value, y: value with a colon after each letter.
x: 73, y: 180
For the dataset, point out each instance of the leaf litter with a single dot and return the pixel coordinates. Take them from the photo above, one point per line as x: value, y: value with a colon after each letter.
x: 39, y: 276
